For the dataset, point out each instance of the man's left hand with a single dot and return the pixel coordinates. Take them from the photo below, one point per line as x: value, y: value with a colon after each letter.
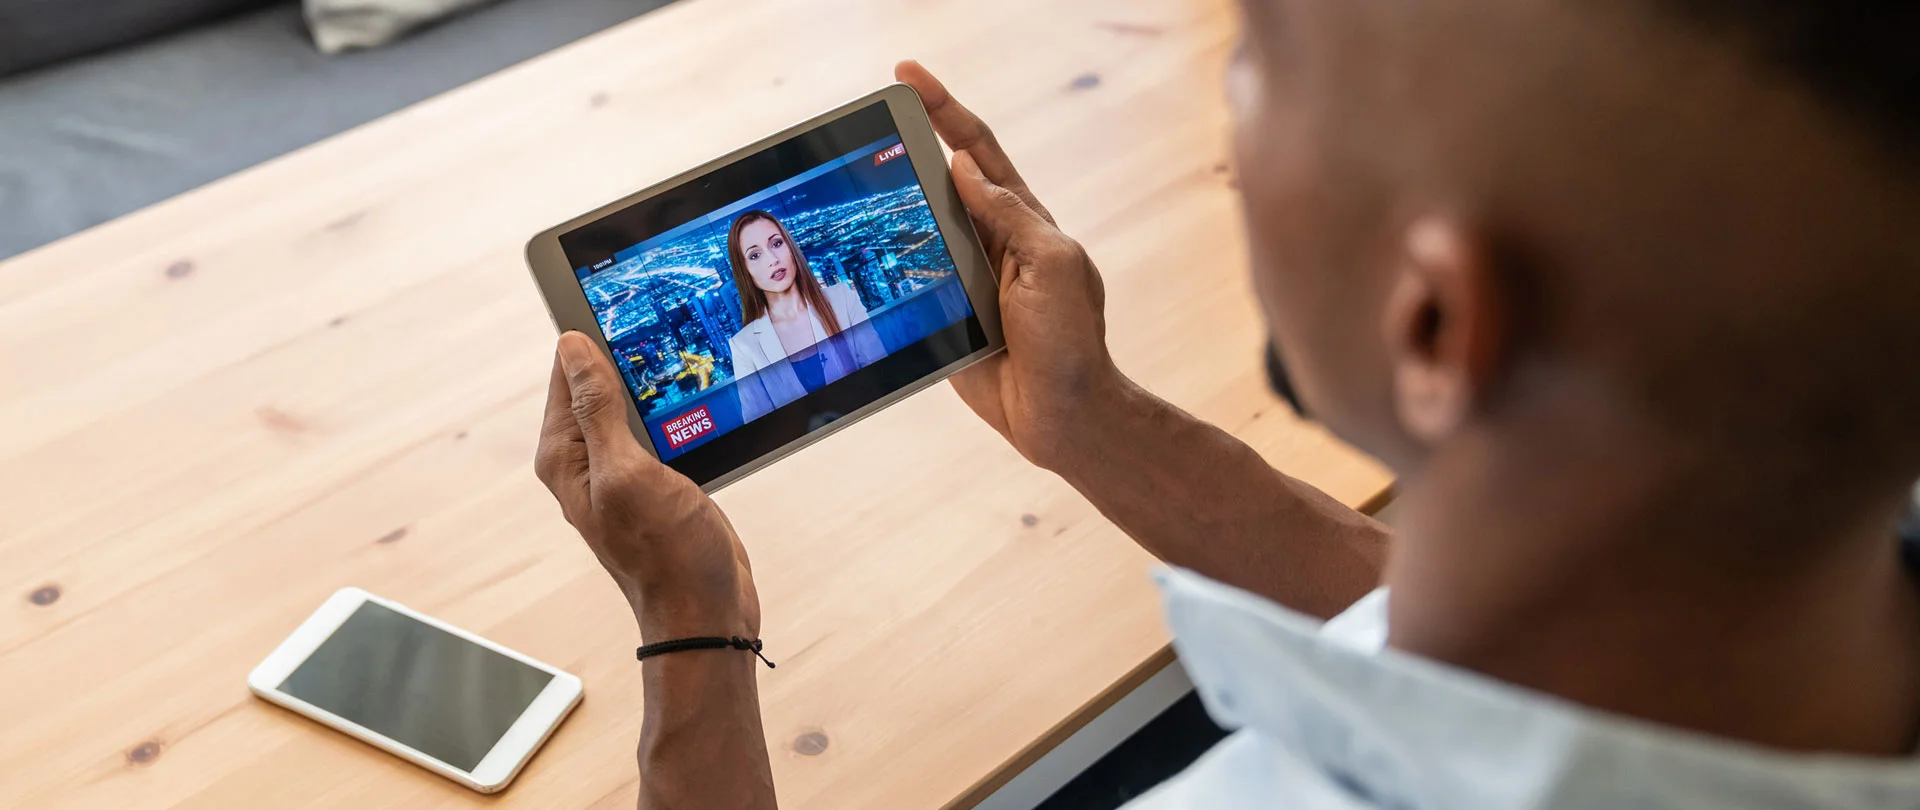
x: 667, y: 545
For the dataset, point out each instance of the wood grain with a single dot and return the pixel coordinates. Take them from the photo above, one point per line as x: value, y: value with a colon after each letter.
x: 328, y: 370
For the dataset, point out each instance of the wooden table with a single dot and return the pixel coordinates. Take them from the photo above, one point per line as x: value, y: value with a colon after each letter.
x: 328, y: 370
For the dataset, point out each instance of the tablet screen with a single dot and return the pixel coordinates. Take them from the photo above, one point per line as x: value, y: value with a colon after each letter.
x: 763, y: 300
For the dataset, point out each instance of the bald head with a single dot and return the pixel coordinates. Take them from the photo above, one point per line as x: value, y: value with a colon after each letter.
x: 1676, y: 218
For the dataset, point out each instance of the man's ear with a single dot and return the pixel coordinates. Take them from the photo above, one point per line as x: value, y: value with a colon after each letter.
x: 1444, y: 329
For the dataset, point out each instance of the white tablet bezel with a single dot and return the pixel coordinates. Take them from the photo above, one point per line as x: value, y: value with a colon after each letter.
x: 567, y: 302
x: 508, y: 755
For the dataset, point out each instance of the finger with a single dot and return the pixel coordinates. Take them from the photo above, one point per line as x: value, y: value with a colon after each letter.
x: 739, y: 548
x: 965, y: 132
x: 559, y: 431
x: 558, y: 423
x: 561, y: 460
x: 596, y: 399
x: 979, y: 386
x: 998, y: 213
x: 740, y: 551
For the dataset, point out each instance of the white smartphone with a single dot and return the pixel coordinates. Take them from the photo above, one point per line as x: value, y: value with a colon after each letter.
x: 433, y: 694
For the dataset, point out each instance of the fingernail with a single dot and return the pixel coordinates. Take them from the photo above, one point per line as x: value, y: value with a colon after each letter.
x: 573, y: 352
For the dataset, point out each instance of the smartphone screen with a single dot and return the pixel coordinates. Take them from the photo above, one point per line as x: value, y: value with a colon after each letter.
x: 418, y: 685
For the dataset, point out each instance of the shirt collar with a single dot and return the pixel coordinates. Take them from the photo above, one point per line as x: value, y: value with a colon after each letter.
x: 1409, y: 732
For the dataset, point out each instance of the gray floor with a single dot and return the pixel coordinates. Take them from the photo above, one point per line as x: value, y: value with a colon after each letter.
x: 86, y: 141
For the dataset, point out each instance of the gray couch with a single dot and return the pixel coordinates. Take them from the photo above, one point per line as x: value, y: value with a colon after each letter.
x: 140, y: 100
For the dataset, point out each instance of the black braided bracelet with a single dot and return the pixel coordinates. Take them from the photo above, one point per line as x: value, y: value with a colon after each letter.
x: 703, y: 643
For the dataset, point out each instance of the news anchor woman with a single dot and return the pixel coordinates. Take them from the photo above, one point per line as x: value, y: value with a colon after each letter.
x: 785, y: 350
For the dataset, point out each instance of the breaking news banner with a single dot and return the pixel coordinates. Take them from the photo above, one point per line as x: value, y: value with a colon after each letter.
x: 687, y: 427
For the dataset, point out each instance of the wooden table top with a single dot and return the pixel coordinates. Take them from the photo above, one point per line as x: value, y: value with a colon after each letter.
x: 329, y: 369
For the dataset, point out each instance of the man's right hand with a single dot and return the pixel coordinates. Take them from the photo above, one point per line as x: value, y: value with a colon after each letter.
x: 1186, y: 491
x: 1052, y: 302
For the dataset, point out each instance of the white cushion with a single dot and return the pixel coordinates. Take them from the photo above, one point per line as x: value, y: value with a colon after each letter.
x: 341, y: 25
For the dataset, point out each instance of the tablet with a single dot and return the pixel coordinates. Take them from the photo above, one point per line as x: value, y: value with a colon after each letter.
x: 759, y: 302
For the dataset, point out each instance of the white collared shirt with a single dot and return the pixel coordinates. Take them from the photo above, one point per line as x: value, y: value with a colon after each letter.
x: 1328, y: 718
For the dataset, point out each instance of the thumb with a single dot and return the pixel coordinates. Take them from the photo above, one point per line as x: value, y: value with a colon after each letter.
x: 598, y: 397
x: 979, y: 387
x: 997, y: 210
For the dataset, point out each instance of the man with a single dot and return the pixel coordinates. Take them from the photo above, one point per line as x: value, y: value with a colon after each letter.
x: 1623, y: 290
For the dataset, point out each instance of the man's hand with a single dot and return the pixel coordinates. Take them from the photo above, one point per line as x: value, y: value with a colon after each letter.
x: 668, y: 546
x: 682, y: 568
x: 1185, y: 490
x: 1051, y: 298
